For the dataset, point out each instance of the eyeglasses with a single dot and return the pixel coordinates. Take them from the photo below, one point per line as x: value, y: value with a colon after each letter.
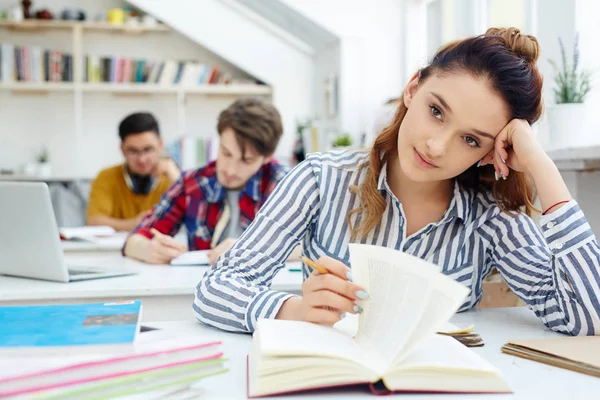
x: 148, y: 151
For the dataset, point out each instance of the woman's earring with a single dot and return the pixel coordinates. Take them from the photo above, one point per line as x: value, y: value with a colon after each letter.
x: 479, y: 163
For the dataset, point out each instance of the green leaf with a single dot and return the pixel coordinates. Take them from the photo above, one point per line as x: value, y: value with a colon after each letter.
x: 571, y: 85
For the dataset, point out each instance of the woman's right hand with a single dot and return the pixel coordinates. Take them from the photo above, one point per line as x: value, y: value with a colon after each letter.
x: 325, y: 297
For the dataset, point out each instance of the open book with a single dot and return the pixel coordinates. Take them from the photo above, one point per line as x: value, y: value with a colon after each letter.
x: 395, y: 347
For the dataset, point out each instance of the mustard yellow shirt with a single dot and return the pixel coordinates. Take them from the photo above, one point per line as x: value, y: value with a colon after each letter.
x: 110, y: 196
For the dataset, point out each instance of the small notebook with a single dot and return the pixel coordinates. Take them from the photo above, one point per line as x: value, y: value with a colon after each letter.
x: 69, y: 324
x: 578, y: 353
x: 197, y: 257
x: 86, y: 232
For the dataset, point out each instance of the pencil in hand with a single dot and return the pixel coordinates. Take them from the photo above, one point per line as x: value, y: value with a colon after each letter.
x: 314, y: 265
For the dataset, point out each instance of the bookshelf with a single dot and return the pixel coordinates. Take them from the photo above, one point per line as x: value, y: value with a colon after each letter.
x: 78, y: 86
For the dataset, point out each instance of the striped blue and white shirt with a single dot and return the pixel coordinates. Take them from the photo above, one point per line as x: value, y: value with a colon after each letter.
x: 553, y: 267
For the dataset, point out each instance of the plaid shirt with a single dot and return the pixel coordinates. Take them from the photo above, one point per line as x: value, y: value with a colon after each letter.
x: 197, y: 200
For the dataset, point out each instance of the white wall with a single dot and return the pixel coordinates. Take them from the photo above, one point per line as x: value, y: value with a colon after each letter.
x: 587, y: 23
x: 29, y: 122
x: 371, y: 53
x: 251, y: 43
x: 327, y: 65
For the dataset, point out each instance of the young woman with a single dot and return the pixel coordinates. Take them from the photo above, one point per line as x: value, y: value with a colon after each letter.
x: 450, y: 180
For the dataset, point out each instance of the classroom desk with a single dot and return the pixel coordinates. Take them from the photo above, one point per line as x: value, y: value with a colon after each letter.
x: 528, y: 379
x: 166, y: 292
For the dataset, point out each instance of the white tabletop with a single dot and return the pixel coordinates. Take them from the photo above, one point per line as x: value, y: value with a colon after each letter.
x: 576, y: 153
x: 577, y: 158
x: 150, y: 280
x: 528, y: 379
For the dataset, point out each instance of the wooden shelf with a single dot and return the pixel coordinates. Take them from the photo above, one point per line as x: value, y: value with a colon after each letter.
x: 38, y: 24
x: 141, y: 88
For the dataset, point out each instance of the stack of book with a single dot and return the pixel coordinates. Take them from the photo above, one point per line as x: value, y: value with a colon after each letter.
x: 164, y: 73
x: 84, y: 351
x: 34, y: 64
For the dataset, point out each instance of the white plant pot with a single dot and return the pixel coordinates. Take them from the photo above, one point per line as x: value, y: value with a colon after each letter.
x: 44, y: 169
x: 568, y: 126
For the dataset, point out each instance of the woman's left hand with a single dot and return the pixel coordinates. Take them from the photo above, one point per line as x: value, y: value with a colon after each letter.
x: 515, y: 148
x: 215, y: 253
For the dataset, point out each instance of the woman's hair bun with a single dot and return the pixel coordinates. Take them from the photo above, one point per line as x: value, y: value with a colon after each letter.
x: 525, y: 46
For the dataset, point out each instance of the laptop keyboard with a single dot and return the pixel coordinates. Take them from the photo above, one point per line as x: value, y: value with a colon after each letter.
x: 81, y: 272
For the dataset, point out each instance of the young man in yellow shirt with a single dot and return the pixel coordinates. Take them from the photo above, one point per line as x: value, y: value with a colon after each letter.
x: 121, y: 195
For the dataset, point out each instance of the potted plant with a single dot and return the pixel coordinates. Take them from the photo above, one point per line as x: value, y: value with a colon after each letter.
x: 567, y: 118
x: 343, y: 140
x: 44, y: 168
x: 299, y: 151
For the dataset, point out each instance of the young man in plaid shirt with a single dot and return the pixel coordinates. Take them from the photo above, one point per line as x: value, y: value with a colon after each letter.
x: 216, y: 203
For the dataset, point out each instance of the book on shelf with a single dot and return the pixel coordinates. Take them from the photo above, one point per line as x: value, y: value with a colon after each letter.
x: 48, y: 327
x: 34, y: 64
x: 190, y: 152
x: 396, y: 347
x: 116, y: 69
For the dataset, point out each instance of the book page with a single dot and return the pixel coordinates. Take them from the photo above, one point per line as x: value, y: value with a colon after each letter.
x: 445, y: 298
x: 404, y: 300
x: 297, y: 338
x: 444, y: 352
x: 451, y: 329
x: 442, y: 364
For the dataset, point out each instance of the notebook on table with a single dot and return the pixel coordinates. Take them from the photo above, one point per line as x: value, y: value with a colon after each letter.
x: 396, y: 347
x: 90, y: 233
x: 149, y: 366
x: 65, y: 325
x: 577, y: 353
x: 192, y: 258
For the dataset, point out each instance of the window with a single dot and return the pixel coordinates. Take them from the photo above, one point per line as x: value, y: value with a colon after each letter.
x: 428, y: 24
x: 517, y: 13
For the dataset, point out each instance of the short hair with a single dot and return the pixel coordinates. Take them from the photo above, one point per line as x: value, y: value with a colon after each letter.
x: 137, y: 123
x: 254, y: 122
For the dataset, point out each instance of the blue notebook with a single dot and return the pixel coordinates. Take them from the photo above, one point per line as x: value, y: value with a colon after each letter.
x: 70, y: 324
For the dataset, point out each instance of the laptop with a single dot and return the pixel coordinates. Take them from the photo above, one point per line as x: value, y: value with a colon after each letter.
x: 29, y: 240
